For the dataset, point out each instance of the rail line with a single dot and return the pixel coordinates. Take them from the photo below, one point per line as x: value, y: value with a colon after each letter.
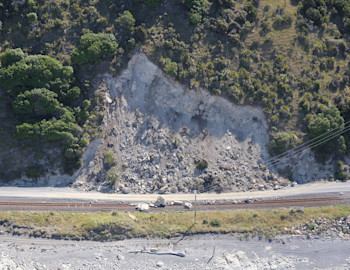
x: 202, y: 206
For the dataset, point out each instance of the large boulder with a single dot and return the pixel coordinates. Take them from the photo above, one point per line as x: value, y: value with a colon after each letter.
x: 160, y: 202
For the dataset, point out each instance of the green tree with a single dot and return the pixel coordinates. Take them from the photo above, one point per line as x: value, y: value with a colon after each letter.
x: 36, y: 71
x: 94, y: 48
x: 37, y: 102
x: 282, y: 142
x: 197, y: 10
x: 11, y: 56
x: 125, y: 23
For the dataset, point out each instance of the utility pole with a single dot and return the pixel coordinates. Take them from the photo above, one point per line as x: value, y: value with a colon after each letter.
x: 195, y: 207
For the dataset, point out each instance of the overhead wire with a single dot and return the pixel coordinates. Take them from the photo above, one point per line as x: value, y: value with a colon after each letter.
x: 309, y: 146
x: 322, y: 136
x: 317, y: 141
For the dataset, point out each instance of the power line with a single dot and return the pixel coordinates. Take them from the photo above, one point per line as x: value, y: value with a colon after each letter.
x: 311, y: 146
x: 319, y: 140
x: 322, y: 136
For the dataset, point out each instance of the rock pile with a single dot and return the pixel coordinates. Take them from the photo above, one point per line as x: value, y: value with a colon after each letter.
x: 171, y: 139
x: 338, y: 228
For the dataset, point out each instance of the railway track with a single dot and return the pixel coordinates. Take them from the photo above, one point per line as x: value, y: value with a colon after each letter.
x: 201, y: 206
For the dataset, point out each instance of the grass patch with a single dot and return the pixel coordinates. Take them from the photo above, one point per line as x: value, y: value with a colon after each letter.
x: 121, y: 225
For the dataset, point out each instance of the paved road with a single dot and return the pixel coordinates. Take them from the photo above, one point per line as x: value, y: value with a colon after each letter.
x: 70, y: 195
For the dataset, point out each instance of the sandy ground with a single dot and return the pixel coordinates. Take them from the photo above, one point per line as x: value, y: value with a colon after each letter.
x: 200, y: 252
x: 52, y: 193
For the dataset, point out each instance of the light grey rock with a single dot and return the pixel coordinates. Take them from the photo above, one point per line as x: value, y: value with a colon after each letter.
x: 160, y: 202
x: 160, y: 264
x: 188, y: 206
x: 142, y: 207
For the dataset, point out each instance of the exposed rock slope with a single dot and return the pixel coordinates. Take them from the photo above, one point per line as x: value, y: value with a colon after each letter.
x: 159, y: 130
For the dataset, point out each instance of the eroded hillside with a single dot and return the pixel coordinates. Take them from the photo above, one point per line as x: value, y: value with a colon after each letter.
x: 272, y: 69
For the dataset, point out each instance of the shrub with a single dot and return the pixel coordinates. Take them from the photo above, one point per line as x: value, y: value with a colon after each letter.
x: 32, y: 17
x: 215, y: 223
x: 197, y: 9
x: 282, y: 22
x: 281, y: 142
x: 94, y: 48
x: 315, y: 11
x: 113, y: 175
x: 109, y: 157
x: 34, y: 172
x: 170, y: 68
x: 11, y: 56
x: 153, y: 3
x: 201, y: 164
x: 37, y: 102
x: 125, y: 23
x: 36, y: 71
x: 72, y: 94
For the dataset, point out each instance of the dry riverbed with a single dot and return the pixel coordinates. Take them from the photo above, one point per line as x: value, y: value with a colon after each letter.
x: 197, y: 252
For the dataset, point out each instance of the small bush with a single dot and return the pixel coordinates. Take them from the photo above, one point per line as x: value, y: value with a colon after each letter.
x: 34, y: 172
x: 153, y: 3
x: 169, y: 67
x: 201, y: 164
x: 215, y: 223
x: 32, y: 17
x: 109, y: 157
x: 113, y: 175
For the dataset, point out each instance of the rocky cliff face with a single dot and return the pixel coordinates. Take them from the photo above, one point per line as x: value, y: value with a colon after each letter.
x: 164, y: 135
x: 167, y: 138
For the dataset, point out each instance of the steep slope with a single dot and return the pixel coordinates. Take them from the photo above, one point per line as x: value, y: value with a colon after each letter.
x: 159, y: 131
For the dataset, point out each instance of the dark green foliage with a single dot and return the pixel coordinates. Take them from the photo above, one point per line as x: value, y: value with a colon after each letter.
x: 37, y: 102
x: 11, y: 56
x: 322, y: 11
x: 282, y: 142
x: 314, y: 10
x: 324, y: 122
x: 197, y: 9
x: 125, y: 23
x: 35, y: 172
x: 169, y: 67
x: 320, y: 126
x: 32, y: 17
x: 36, y: 71
x: 282, y: 22
x: 72, y: 94
x: 201, y: 164
x: 153, y: 3
x: 252, y: 12
x: 109, y: 158
x: 38, y: 84
x: 94, y: 48
x: 342, y: 171
x: 215, y: 223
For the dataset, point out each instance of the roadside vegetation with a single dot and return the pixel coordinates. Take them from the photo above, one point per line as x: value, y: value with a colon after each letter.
x: 289, y: 57
x: 108, y: 226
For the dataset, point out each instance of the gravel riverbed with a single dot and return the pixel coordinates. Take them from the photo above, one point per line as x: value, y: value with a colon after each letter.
x: 196, y: 252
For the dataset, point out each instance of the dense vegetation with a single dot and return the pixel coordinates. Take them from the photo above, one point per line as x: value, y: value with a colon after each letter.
x: 289, y: 57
